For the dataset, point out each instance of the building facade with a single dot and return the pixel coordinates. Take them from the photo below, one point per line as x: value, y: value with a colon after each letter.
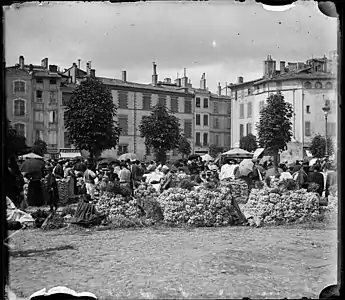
x: 307, y: 86
x: 33, y: 102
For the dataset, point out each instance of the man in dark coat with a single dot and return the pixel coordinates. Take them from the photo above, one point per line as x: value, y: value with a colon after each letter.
x: 317, y: 178
x: 52, y: 189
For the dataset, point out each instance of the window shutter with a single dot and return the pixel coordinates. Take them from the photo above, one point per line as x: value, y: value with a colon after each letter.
x: 197, y: 138
x: 197, y: 120
x: 187, y: 106
x: 123, y: 100
x: 307, y: 128
x: 162, y: 100
x: 188, y: 128
x: 205, y: 120
x: 241, y: 130
x: 123, y: 124
x: 174, y: 104
x: 146, y: 101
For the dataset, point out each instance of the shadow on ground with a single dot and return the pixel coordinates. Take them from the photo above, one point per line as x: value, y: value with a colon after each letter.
x: 38, y: 252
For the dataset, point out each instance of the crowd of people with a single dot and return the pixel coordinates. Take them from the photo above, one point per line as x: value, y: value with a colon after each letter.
x: 88, y: 178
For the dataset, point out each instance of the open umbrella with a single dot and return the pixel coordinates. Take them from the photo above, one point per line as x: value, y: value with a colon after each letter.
x: 193, y: 156
x: 245, y: 167
x: 32, y: 165
x: 271, y: 172
x: 238, y: 153
x: 31, y: 155
x: 106, y: 161
x: 207, y: 157
x: 127, y: 156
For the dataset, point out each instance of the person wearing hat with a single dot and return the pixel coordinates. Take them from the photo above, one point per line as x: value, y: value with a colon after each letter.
x: 167, y: 178
x: 52, y: 189
x: 125, y: 176
x: 58, y: 170
x: 89, y: 179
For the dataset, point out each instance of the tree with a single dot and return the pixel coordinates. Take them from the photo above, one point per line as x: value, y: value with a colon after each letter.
x: 39, y: 147
x: 214, y: 150
x: 14, y: 143
x: 161, y: 131
x: 274, y: 127
x: 89, y: 118
x: 318, y: 146
x: 248, y: 143
x: 184, y: 146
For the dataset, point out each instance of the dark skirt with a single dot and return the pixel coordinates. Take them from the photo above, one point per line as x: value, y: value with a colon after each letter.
x: 35, y: 193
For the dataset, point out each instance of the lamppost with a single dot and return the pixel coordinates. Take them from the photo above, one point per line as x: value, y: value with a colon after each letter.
x: 326, y: 110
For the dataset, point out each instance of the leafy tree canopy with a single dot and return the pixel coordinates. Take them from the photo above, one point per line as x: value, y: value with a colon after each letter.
x: 274, y: 127
x: 184, y: 146
x: 248, y: 143
x: 161, y: 131
x: 214, y: 150
x: 89, y: 118
x: 318, y: 146
x: 39, y: 147
x: 14, y: 143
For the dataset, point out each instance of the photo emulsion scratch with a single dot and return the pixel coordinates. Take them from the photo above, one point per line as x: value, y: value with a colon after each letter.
x: 173, y: 149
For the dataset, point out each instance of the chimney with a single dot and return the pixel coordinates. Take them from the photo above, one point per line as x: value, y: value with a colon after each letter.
x: 219, y: 89
x: 282, y: 67
x: 79, y: 63
x: 74, y: 73
x: 269, y: 67
x: 53, y: 68
x: 203, y: 82
x: 92, y: 73
x: 88, y: 69
x: 124, y: 76
x: 178, y: 82
x: 21, y: 62
x: 44, y: 63
x: 154, y: 76
x: 240, y: 79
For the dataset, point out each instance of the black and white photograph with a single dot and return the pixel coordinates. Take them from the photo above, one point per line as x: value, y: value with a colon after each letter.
x: 171, y: 150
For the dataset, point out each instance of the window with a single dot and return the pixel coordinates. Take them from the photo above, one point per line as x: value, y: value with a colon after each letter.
x: 279, y: 85
x: 241, y: 110
x: 331, y: 129
x: 66, y: 98
x: 241, y: 131
x: 229, y: 108
x: 264, y: 86
x: 123, y: 100
x: 197, y: 102
x: 187, y: 106
x: 329, y: 85
x: 228, y: 123
x: 249, y: 91
x: 249, y: 128
x: 19, y: 107
x: 188, y: 129
x: 123, y: 124
x: 197, y: 119
x: 328, y: 103
x: 307, y: 85
x: 216, y: 123
x: 147, y: 101
x: 162, y: 100
x: 318, y: 85
x: 52, y: 81
x: 19, y: 86
x: 52, y: 116
x: 308, y: 109
x: 205, y: 120
x: 307, y: 129
x: 197, y: 139
x: 249, y: 110
x: 52, y: 97
x: 39, y: 96
x: 236, y: 95
x: 174, y: 104
x: 205, y: 102
x: 39, y: 117
x: 67, y: 143
x: 39, y: 135
x: 262, y: 105
x: 216, y: 140
x: 20, y: 129
x: 227, y: 140
x: 39, y: 81
x: 205, y: 139
x: 215, y: 108
x: 52, y: 138
x: 258, y: 88
x: 122, y: 149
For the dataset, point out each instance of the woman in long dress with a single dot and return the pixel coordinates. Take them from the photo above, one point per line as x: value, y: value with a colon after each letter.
x: 52, y: 189
x: 35, y: 189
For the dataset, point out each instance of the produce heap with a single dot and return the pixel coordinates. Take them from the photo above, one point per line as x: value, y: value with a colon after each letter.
x: 202, y: 208
x: 144, y: 191
x: 278, y: 206
x: 239, y: 189
x: 63, y: 190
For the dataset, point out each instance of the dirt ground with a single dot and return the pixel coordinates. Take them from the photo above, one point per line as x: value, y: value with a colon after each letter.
x: 232, y: 262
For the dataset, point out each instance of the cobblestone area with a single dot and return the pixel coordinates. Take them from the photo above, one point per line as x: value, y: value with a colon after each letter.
x: 231, y: 262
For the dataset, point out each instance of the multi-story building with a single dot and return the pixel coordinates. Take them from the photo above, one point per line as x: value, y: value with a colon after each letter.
x: 307, y: 86
x: 135, y: 100
x: 33, y: 102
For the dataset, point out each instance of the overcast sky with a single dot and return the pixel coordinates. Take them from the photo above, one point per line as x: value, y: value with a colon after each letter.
x: 223, y: 40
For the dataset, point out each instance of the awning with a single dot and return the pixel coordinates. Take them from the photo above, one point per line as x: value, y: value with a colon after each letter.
x: 69, y: 153
x: 258, y: 152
